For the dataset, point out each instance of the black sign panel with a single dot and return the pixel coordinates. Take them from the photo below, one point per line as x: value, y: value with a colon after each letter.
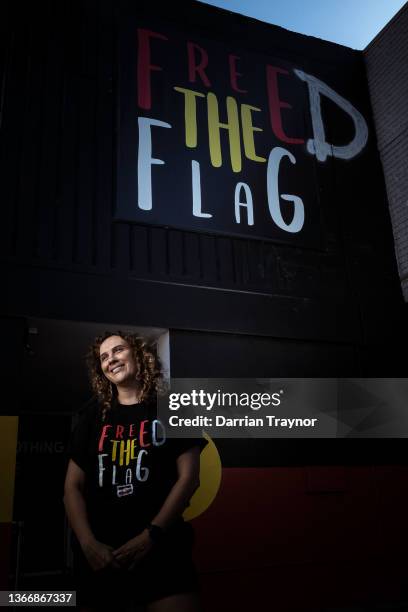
x: 222, y: 140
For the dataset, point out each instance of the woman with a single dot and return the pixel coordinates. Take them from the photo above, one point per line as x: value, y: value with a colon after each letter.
x: 127, y: 486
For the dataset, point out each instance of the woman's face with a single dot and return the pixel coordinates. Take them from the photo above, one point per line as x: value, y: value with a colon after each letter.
x: 117, y: 361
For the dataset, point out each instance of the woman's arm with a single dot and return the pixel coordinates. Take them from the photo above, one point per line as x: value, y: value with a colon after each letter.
x: 74, y: 502
x: 98, y: 555
x: 188, y: 470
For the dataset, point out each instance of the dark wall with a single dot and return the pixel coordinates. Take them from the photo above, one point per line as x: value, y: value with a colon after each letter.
x: 235, y: 306
x: 65, y: 256
x: 386, y: 59
x: 332, y: 307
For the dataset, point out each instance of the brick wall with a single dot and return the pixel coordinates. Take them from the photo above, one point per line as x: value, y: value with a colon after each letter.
x: 387, y: 70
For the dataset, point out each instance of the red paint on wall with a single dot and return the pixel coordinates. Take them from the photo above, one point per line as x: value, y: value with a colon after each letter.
x: 197, y: 67
x: 276, y: 104
x: 144, y: 67
x: 295, y: 539
x: 5, y: 554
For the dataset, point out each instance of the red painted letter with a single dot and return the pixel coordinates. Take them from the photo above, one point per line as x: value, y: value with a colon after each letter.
x: 200, y: 67
x: 144, y: 67
x: 275, y: 104
x: 234, y: 74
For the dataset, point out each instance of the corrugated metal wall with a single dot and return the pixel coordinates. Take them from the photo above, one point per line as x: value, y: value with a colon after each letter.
x: 387, y: 70
x: 58, y: 156
x: 235, y: 307
x: 58, y: 114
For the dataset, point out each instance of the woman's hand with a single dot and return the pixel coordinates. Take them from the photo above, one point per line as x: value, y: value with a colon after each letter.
x: 134, y: 550
x: 98, y: 555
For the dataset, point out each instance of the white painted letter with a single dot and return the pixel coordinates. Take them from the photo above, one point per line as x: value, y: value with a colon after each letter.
x: 296, y: 224
x: 248, y: 204
x: 145, y: 161
x: 195, y: 174
x: 318, y: 145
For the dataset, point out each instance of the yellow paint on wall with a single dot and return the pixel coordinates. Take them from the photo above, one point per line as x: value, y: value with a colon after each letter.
x: 210, y: 480
x: 190, y: 115
x: 8, y: 449
x: 248, y: 130
x: 232, y: 127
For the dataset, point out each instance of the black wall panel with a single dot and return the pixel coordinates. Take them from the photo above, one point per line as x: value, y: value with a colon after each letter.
x: 65, y: 256
x: 235, y: 306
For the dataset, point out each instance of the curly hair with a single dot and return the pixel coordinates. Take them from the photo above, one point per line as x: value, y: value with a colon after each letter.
x: 149, y: 371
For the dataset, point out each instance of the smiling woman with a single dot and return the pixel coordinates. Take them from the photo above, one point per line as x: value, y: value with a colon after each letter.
x: 124, y: 366
x: 127, y: 486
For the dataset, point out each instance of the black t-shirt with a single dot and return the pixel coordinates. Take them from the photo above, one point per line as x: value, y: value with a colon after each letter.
x: 130, y: 467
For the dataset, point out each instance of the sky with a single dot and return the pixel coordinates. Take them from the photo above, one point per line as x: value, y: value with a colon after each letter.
x: 353, y: 23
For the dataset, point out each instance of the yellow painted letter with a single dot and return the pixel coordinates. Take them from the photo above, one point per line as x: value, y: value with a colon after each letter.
x: 190, y: 114
x: 248, y: 132
x: 232, y: 126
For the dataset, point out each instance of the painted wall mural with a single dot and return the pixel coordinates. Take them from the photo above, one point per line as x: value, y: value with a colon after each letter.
x: 224, y: 141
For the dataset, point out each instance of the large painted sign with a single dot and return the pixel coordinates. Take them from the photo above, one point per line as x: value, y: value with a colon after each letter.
x: 221, y: 140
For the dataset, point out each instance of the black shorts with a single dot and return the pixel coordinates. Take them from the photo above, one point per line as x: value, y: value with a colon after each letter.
x: 166, y: 570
